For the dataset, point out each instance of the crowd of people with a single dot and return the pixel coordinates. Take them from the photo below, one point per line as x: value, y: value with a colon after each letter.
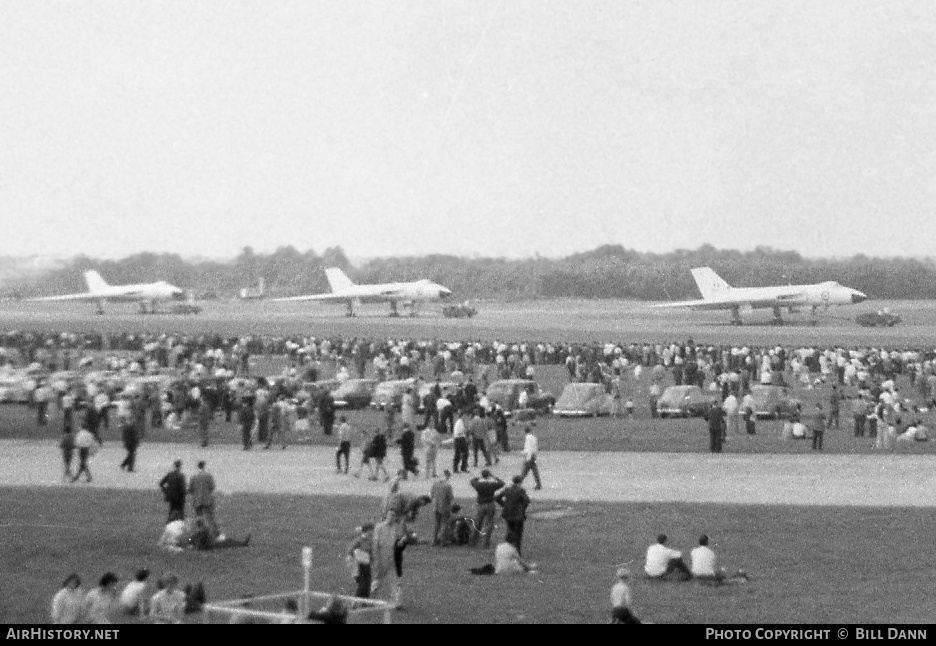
x: 885, y: 391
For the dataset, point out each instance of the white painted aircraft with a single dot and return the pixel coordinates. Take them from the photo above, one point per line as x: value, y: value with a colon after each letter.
x: 719, y: 295
x: 343, y: 290
x: 146, y: 294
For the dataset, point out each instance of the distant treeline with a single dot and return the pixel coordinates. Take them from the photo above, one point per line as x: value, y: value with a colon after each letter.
x: 609, y: 271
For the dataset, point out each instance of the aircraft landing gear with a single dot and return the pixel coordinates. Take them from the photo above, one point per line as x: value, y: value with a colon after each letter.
x: 393, y: 309
x: 813, y: 319
x: 736, y: 316
x: 350, y: 312
x: 777, y: 319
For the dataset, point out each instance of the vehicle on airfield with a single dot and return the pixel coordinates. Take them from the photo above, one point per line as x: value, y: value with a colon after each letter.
x: 584, y: 400
x: 684, y: 401
x: 506, y: 394
x: 774, y: 402
x: 719, y: 295
x: 881, y: 318
x: 343, y: 290
x: 354, y: 393
x: 390, y: 393
x: 459, y: 311
x: 316, y: 389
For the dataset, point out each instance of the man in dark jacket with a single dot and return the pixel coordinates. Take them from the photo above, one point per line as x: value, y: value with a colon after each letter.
x: 327, y: 413
x: 173, y: 488
x: 407, y: 442
x: 514, y: 501
x: 716, y: 425
x: 130, y: 435
x: 486, y: 486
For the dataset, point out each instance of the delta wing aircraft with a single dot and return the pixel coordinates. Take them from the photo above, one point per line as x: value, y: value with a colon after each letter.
x: 148, y: 295
x: 343, y: 290
x: 719, y: 295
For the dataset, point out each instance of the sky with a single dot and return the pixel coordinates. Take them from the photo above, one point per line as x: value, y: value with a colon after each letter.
x: 478, y: 128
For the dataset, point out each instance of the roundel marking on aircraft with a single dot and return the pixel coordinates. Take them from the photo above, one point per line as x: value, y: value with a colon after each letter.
x: 825, y: 296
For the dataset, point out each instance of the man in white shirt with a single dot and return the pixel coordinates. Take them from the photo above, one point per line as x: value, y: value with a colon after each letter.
x: 68, y: 602
x: 662, y: 560
x: 704, y: 565
x: 133, y: 598
x: 460, y: 439
x: 530, y: 449
x: 168, y: 605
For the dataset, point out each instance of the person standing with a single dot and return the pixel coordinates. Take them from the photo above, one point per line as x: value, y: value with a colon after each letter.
x: 486, y: 487
x: 500, y: 425
x: 716, y: 426
x: 68, y: 602
x: 130, y: 436
x: 817, y: 424
x: 84, y: 441
x: 67, y: 445
x: 389, y: 538
x: 202, y: 487
x: 173, y: 488
x: 168, y: 605
x: 344, y: 445
x: 460, y: 440
x: 477, y: 429
x: 361, y: 555
x: 443, y: 497
x: 835, y: 407
x: 246, y: 417
x: 326, y: 410
x: 621, y: 599
x: 732, y: 416
x: 530, y: 450
x: 431, y: 441
x: 204, y: 419
x: 514, y: 501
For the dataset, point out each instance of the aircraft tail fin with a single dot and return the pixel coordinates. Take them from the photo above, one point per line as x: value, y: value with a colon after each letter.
x: 337, y: 280
x: 94, y: 281
x: 710, y: 284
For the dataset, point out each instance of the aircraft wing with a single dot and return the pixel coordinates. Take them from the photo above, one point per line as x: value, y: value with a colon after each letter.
x: 779, y: 300
x: 327, y: 298
x: 84, y: 296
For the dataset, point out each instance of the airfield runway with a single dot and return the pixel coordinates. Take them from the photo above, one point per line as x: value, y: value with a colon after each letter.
x: 845, y: 480
x: 546, y: 320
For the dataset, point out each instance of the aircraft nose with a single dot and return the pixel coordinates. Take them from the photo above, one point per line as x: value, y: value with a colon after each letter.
x: 858, y: 297
x: 444, y: 293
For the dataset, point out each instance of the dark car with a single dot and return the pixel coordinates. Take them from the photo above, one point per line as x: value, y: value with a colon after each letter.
x: 354, y: 393
x: 506, y: 394
x: 773, y: 401
x: 878, y: 319
x: 388, y: 393
x: 684, y: 401
x: 461, y: 311
x: 584, y: 400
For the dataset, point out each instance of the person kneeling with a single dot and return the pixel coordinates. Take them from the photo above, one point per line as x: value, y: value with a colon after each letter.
x: 663, y: 561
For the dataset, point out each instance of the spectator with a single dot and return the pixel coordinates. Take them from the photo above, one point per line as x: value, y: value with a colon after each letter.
x: 486, y: 487
x: 67, y: 604
x: 514, y: 500
x: 621, y: 599
x: 662, y: 561
x: 133, y: 599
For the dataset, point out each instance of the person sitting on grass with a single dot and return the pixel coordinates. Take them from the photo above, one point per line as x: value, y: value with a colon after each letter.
x: 703, y: 565
x: 621, y: 599
x: 662, y: 561
x: 134, y: 596
x: 195, y: 533
x: 507, y: 561
x: 333, y: 612
x: 168, y: 605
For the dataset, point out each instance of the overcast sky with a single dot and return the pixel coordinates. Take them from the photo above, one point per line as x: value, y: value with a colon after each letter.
x: 490, y: 127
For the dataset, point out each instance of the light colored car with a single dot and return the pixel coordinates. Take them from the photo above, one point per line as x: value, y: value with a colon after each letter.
x: 684, y: 401
x: 506, y: 394
x: 16, y: 386
x: 773, y: 401
x: 583, y: 400
x: 390, y: 393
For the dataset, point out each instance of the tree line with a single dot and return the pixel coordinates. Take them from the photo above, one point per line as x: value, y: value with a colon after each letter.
x: 610, y: 271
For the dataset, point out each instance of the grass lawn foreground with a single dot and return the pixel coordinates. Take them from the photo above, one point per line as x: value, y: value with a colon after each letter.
x: 808, y: 564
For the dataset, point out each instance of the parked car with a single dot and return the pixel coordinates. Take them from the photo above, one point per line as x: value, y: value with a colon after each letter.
x: 583, y: 400
x: 773, y: 401
x: 316, y: 389
x: 354, y: 393
x: 684, y: 401
x: 16, y: 386
x: 390, y: 393
x: 506, y: 394
x: 878, y: 319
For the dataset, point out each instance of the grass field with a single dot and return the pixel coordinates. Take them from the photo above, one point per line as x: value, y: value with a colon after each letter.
x: 819, y: 564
